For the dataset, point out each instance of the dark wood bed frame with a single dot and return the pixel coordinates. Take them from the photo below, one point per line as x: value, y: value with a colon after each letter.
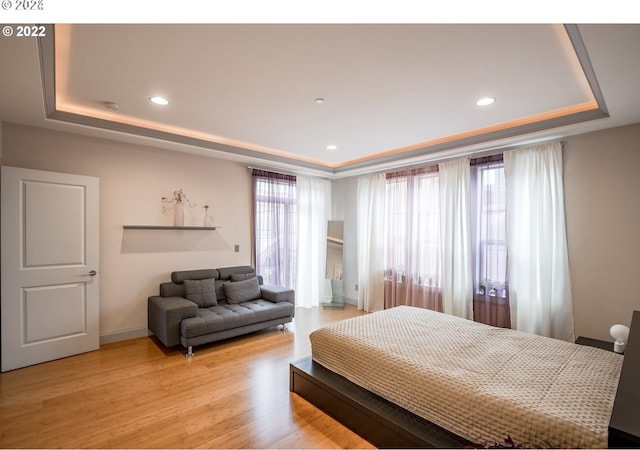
x: 385, y: 424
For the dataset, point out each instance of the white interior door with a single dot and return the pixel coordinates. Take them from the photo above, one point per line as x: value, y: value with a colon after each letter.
x: 50, y: 275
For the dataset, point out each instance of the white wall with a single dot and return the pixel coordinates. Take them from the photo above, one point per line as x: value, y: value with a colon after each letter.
x: 133, y: 179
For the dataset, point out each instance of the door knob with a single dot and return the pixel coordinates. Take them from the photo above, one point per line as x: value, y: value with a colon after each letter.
x: 92, y: 273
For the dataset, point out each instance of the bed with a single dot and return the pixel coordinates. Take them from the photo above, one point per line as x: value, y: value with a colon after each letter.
x: 410, y: 377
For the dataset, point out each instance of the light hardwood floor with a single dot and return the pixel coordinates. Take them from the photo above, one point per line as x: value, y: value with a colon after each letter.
x: 137, y: 394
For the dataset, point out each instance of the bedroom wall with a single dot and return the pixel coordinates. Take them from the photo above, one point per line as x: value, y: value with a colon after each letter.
x: 133, y: 179
x: 602, y: 187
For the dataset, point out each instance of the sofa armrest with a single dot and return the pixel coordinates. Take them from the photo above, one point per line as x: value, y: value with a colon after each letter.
x: 277, y: 294
x: 164, y: 315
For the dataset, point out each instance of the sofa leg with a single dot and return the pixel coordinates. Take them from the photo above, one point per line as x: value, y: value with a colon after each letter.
x: 284, y: 327
x: 190, y: 351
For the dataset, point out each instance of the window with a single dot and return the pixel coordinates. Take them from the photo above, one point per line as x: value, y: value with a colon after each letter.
x: 490, y: 284
x: 275, y: 227
x: 412, y: 239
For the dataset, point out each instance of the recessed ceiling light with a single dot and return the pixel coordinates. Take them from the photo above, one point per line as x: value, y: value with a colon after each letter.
x: 112, y: 106
x: 485, y: 101
x: 319, y: 101
x: 332, y: 147
x: 159, y: 100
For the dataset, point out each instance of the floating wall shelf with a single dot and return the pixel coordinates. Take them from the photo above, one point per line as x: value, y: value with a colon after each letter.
x: 159, y: 227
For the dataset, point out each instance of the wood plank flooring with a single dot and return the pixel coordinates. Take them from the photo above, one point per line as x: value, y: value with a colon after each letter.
x: 138, y: 394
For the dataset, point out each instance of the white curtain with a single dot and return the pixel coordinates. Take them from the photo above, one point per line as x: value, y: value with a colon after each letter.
x: 413, y: 256
x: 314, y: 210
x: 370, y: 226
x: 539, y: 284
x: 455, y: 234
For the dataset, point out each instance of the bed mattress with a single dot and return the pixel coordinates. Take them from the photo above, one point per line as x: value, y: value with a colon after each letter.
x: 479, y: 382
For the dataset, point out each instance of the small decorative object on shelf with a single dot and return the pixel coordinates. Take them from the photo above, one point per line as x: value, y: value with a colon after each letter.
x: 176, y: 204
x: 206, y: 221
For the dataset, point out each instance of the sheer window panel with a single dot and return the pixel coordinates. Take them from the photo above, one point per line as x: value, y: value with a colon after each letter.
x: 412, y: 240
x: 489, y: 242
x: 275, y: 225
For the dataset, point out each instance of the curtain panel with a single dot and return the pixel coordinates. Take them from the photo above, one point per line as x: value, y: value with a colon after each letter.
x: 275, y: 227
x: 412, y: 258
x: 314, y: 210
x: 370, y: 232
x: 539, y: 283
x: 455, y: 234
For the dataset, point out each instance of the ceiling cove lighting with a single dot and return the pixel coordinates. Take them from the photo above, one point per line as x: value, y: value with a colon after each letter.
x: 159, y: 100
x: 485, y: 101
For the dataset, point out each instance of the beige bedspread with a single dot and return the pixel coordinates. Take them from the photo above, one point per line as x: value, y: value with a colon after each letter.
x: 480, y: 382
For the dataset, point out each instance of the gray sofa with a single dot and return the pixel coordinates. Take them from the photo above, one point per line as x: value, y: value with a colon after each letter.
x: 202, y: 306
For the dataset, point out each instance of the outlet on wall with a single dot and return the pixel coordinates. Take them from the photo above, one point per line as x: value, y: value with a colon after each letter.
x: 237, y: 248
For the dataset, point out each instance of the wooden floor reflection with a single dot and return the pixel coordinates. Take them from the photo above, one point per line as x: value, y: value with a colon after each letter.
x: 137, y: 394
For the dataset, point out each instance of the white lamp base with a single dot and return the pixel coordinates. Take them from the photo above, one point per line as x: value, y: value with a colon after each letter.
x: 618, y: 347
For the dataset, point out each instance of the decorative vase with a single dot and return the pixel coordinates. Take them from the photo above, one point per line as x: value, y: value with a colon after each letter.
x: 178, y: 215
x: 206, y: 221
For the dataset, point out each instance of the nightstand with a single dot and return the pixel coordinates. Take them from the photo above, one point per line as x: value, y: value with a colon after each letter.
x: 595, y: 343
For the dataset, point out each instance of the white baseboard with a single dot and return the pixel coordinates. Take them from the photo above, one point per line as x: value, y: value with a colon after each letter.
x: 109, y: 337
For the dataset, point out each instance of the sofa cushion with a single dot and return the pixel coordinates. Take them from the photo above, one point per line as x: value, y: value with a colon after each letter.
x: 224, y: 273
x: 199, y: 274
x: 225, y: 317
x: 276, y: 294
x: 242, y: 291
x: 201, y: 292
x: 220, y: 290
x: 242, y: 276
x: 171, y: 290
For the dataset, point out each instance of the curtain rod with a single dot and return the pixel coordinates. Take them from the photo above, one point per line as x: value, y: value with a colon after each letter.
x: 286, y: 172
x: 418, y: 165
x: 471, y: 155
x: 266, y: 169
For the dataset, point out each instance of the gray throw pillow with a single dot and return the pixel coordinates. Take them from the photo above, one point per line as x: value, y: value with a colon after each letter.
x: 242, y: 276
x: 201, y: 292
x: 242, y: 291
x: 220, y: 290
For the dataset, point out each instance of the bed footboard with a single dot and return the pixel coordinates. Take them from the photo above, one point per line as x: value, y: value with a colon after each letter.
x: 377, y: 420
